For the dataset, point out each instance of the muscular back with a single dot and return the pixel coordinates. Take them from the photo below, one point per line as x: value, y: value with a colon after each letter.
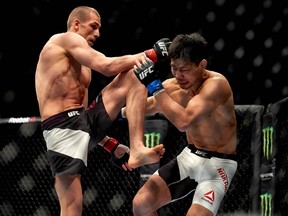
x: 209, y: 113
x: 61, y: 82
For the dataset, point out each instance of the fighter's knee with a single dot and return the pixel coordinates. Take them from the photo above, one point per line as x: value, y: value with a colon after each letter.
x: 137, y: 205
x: 135, y: 202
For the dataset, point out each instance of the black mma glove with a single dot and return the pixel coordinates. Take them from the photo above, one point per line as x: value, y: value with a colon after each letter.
x: 148, y: 75
x: 112, y: 145
x: 122, y: 160
x: 159, y: 52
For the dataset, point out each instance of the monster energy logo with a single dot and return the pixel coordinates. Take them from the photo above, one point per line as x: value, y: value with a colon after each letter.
x: 268, y: 133
x: 266, y: 204
x: 152, y: 139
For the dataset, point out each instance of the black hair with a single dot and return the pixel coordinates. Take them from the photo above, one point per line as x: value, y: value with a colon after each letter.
x: 189, y: 47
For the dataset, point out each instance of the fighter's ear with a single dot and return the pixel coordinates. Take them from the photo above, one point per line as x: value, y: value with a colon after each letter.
x: 76, y: 25
x: 203, y: 63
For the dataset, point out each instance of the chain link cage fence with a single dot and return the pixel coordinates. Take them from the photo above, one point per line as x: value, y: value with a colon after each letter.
x: 26, y: 184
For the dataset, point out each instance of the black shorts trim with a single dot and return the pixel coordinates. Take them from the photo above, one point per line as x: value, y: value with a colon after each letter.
x: 64, y: 164
x: 209, y: 154
x: 63, y: 120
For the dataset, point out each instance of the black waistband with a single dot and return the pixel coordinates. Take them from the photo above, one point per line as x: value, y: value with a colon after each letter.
x: 58, y: 119
x: 209, y: 154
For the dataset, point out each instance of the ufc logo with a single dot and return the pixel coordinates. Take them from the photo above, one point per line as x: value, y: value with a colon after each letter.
x: 163, y: 47
x: 201, y: 153
x: 73, y: 113
x: 144, y: 73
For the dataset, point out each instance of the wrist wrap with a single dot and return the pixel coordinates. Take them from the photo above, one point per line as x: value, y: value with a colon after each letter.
x: 154, y: 86
x: 110, y: 145
x: 158, y: 91
x: 151, y: 54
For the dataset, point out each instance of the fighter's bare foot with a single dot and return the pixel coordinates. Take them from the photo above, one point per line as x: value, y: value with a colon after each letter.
x: 143, y: 156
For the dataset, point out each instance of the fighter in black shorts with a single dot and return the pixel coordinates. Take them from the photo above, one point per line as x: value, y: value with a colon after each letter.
x: 71, y: 134
x: 62, y: 79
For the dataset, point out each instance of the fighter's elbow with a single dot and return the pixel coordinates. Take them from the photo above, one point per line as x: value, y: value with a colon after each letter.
x: 182, y: 125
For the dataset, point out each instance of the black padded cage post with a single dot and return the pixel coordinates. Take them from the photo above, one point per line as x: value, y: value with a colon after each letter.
x: 278, y: 187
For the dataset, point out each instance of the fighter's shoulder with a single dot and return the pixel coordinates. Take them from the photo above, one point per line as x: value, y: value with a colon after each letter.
x: 215, y: 75
x: 55, y: 46
x: 169, y: 81
x: 215, y: 79
x: 217, y: 83
x: 170, y: 85
x: 65, y: 38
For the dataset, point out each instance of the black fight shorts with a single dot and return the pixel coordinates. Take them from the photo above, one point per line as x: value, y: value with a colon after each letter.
x: 70, y: 135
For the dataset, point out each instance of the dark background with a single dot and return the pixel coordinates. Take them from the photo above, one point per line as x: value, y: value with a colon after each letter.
x: 247, y: 39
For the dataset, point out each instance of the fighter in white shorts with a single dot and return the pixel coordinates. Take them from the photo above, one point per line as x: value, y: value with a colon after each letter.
x: 209, y: 174
x: 200, y: 103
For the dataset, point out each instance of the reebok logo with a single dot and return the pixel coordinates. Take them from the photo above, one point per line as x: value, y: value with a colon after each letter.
x: 144, y: 73
x: 73, y: 113
x: 209, y: 197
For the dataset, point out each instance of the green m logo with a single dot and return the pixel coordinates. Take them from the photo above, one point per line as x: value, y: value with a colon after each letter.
x: 152, y: 139
x: 268, y: 134
x: 266, y: 204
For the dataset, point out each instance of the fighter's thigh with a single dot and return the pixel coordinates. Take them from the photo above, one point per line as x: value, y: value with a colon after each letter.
x: 114, y: 95
x: 179, y: 184
x: 209, y: 194
x: 198, y: 210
